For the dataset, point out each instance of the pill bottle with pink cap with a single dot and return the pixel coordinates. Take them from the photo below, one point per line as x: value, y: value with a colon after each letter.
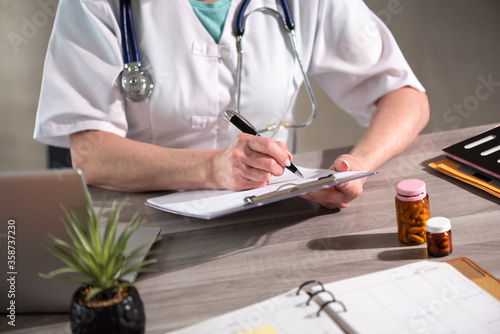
x: 412, y: 211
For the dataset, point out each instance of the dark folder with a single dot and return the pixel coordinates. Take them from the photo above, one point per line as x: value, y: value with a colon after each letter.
x: 481, y: 153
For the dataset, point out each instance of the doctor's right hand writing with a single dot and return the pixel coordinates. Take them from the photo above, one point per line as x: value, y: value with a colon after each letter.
x: 113, y: 162
x: 249, y: 162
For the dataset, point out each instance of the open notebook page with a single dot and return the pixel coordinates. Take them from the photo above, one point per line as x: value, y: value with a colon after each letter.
x: 283, y: 314
x: 422, y: 297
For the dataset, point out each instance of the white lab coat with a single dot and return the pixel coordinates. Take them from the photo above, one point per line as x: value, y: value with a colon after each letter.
x: 343, y: 45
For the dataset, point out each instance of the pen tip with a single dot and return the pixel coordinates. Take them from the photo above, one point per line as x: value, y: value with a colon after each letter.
x: 229, y: 114
x: 299, y: 173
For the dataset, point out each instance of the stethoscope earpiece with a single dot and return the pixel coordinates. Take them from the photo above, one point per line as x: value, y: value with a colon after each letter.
x: 136, y: 84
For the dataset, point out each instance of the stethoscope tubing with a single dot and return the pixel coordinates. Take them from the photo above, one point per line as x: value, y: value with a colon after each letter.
x: 132, y: 60
x: 239, y: 30
x: 288, y: 16
x: 129, y: 41
x: 239, y: 25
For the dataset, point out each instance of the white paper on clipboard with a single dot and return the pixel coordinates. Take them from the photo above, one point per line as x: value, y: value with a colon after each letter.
x: 209, y: 204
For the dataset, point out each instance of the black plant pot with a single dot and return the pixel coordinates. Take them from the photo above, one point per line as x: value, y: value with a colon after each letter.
x: 126, y: 317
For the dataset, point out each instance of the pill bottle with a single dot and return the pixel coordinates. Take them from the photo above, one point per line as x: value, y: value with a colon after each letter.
x: 439, y: 236
x: 412, y: 211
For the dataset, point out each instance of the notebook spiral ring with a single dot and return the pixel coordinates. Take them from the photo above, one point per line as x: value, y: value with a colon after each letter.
x: 303, y: 285
x: 312, y: 294
x: 329, y: 302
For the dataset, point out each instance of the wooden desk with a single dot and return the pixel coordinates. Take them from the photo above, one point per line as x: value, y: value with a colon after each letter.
x: 207, y: 268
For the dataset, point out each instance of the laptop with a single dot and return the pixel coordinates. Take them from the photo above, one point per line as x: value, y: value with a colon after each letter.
x: 30, y: 208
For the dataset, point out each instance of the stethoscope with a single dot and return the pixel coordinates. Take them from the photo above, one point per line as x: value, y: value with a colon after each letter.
x: 138, y: 85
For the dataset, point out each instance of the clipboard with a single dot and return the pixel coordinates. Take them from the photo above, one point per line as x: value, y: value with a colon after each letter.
x: 210, y: 204
x: 477, y: 274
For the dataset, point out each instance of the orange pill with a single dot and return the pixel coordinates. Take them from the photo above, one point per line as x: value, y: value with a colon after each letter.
x: 417, y: 212
x: 433, y: 249
x: 417, y: 239
x: 416, y: 230
x: 444, y: 244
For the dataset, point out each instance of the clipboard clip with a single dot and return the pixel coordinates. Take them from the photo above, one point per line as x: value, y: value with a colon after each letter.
x: 260, y: 199
x: 300, y: 188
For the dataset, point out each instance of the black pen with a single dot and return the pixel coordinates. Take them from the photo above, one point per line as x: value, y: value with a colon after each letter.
x: 244, y: 126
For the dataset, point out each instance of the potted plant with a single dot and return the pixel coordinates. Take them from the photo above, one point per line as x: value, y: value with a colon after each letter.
x: 105, y: 303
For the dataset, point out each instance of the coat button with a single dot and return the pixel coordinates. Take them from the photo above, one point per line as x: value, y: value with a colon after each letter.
x: 224, y: 52
x: 223, y: 124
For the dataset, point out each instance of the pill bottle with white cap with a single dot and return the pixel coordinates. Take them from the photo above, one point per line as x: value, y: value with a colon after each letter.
x: 439, y: 236
x: 412, y: 211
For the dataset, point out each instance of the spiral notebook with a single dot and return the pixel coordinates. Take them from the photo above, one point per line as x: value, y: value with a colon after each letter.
x: 421, y: 297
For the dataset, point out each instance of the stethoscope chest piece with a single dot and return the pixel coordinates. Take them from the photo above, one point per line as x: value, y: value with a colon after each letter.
x: 136, y: 84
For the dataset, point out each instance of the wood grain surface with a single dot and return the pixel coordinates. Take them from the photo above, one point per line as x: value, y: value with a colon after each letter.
x: 207, y: 268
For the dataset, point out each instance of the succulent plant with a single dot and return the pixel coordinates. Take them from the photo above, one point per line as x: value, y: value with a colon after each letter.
x: 99, y: 263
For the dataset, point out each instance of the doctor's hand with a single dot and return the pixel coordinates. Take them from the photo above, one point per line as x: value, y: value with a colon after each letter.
x: 249, y: 162
x: 339, y: 197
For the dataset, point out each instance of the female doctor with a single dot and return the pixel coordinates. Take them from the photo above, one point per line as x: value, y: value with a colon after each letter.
x: 177, y: 137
